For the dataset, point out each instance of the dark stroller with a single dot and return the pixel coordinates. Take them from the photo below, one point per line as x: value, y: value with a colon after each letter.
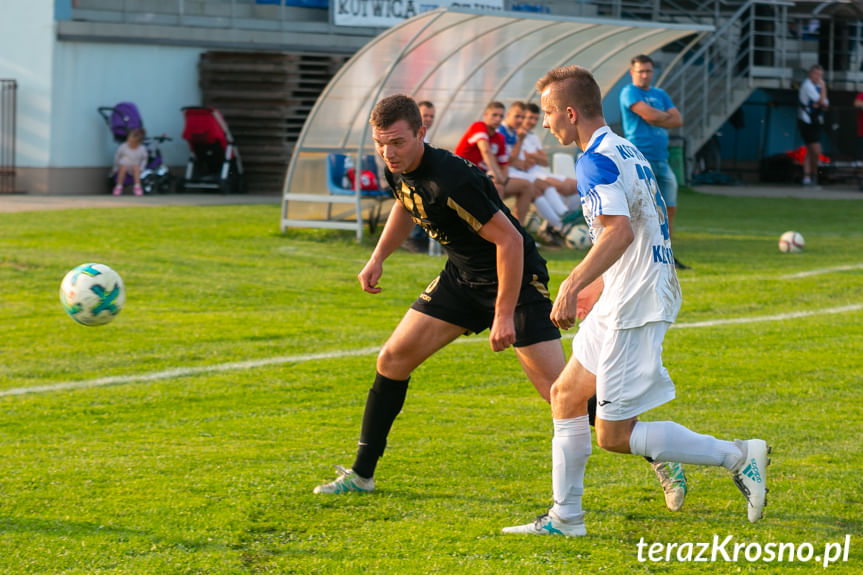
x: 155, y: 177
x: 214, y: 162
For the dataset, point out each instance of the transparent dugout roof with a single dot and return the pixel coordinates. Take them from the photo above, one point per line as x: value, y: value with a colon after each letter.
x: 461, y: 60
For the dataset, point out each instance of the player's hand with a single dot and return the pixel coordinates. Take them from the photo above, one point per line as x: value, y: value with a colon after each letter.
x: 370, y: 275
x: 502, y: 334
x: 563, y: 312
x: 586, y: 299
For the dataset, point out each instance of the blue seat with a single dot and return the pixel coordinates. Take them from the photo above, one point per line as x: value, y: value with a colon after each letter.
x: 335, y: 175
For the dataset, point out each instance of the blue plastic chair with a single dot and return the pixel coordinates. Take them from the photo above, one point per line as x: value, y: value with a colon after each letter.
x: 335, y: 174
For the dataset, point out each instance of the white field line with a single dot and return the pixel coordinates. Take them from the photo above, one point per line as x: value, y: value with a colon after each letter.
x: 822, y: 271
x: 255, y: 363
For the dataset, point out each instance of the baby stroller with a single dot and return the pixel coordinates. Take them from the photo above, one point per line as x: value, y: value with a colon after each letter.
x: 155, y: 177
x: 214, y: 162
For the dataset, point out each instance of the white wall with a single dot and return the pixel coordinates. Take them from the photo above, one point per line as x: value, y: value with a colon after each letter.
x: 61, y: 85
x: 158, y: 79
x: 26, y: 40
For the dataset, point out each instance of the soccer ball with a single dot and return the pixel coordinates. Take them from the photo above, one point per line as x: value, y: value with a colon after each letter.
x: 92, y: 294
x: 533, y: 223
x: 791, y: 243
x: 578, y: 237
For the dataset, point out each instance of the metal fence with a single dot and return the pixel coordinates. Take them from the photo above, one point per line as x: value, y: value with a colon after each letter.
x: 8, y: 89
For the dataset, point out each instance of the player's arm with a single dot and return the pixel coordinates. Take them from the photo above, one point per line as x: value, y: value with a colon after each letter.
x: 822, y: 101
x: 610, y: 245
x: 516, y: 149
x: 510, y: 269
x: 399, y: 225
x: 491, y: 162
x: 540, y: 157
x: 667, y: 119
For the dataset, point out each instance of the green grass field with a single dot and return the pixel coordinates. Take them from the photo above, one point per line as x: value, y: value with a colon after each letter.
x: 197, y: 423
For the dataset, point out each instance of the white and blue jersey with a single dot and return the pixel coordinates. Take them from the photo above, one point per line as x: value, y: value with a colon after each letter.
x: 615, y: 179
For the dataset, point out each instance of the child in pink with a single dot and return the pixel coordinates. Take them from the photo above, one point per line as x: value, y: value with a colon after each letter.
x: 131, y: 157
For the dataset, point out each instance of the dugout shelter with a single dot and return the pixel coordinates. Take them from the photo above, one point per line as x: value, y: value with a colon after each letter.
x: 460, y: 60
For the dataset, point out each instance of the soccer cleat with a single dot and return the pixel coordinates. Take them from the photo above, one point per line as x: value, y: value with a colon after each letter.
x: 673, y: 481
x: 549, y: 524
x: 679, y: 265
x: 751, y: 476
x: 549, y: 236
x: 347, y: 481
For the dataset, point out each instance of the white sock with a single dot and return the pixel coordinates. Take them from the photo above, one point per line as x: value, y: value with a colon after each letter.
x: 547, y: 212
x: 570, y: 449
x: 555, y: 200
x: 669, y: 441
x: 573, y: 202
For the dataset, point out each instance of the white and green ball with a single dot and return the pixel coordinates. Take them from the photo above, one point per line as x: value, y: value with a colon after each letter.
x: 92, y: 294
x: 533, y: 222
x: 578, y: 237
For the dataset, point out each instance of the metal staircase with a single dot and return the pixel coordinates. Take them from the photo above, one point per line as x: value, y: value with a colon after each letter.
x: 712, y: 80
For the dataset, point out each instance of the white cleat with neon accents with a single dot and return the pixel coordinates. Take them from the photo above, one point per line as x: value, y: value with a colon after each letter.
x: 549, y: 524
x: 751, y: 476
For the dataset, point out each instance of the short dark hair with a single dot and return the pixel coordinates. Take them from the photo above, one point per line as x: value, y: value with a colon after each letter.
x: 494, y: 105
x: 574, y: 87
x: 532, y: 108
x: 425, y: 104
x: 641, y: 59
x: 517, y: 104
x: 394, y: 108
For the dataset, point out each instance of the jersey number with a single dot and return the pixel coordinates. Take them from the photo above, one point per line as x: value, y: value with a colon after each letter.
x: 646, y: 174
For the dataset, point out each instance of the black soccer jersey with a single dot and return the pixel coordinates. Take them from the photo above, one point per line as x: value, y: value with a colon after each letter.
x: 452, y: 199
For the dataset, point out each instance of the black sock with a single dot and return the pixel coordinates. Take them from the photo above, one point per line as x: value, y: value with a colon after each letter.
x: 383, y: 404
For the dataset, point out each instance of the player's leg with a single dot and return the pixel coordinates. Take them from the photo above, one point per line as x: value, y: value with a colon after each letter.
x: 633, y: 381
x: 542, y: 363
x: 570, y: 450
x: 416, y: 338
x: 523, y: 192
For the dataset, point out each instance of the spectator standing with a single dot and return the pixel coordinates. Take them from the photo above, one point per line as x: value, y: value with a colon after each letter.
x: 648, y: 113
x: 813, y: 101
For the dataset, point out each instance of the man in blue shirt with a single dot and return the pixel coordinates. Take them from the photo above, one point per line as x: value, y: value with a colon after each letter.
x: 647, y: 114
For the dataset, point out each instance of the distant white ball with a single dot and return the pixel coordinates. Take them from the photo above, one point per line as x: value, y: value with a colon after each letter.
x: 92, y: 294
x: 578, y: 237
x: 533, y: 223
x: 791, y: 243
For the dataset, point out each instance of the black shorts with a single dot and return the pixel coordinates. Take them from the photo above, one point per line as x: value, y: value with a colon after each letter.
x: 470, y: 305
x: 811, y: 133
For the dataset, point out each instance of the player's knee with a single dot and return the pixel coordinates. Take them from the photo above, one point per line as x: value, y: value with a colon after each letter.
x: 607, y: 440
x: 389, y: 363
x: 613, y: 438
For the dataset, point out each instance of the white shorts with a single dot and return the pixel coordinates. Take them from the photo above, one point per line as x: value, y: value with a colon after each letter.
x: 630, y: 377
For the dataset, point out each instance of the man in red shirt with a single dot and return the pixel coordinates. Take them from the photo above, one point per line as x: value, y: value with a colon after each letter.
x: 482, y: 145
